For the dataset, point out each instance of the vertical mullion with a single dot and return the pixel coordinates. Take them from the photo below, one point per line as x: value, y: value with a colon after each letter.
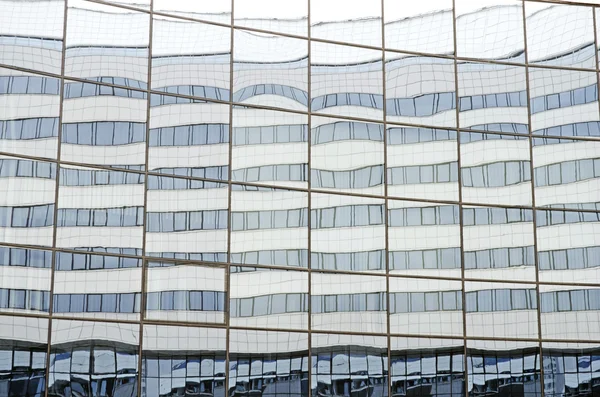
x: 533, y: 210
x: 460, y: 205
x: 309, y: 194
x: 145, y: 210
x: 56, y: 191
x: 385, y: 207
x: 229, y: 212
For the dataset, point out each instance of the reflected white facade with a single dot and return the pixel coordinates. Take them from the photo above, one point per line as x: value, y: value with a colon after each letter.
x: 290, y: 198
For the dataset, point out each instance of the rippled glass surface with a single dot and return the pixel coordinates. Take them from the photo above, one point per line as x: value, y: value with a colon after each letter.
x: 268, y: 298
x: 501, y: 310
x: 425, y: 26
x: 190, y: 58
x: 568, y: 244
x: 97, y: 286
x: 570, y: 368
x: 495, y: 169
x: 347, y: 233
x: 499, y: 243
x: 422, y: 163
x: 286, y: 17
x: 267, y: 76
x: 560, y: 35
x: 490, y: 30
x: 86, y: 357
x: 103, y: 125
x: 425, y: 307
x: 27, y: 205
x: 423, y: 239
x: 269, y: 147
x: 269, y: 226
x: 349, y: 365
x: 192, y: 361
x: 504, y: 368
x: 427, y: 367
x: 346, y: 81
x: 23, y: 354
x: 186, y: 219
x: 492, y: 97
x: 268, y: 363
x: 185, y: 292
x: 352, y: 21
x: 214, y: 11
x: 100, y: 210
x: 188, y: 137
x: 31, y: 34
x: 346, y: 156
x: 29, y: 121
x: 109, y: 44
x: 326, y: 198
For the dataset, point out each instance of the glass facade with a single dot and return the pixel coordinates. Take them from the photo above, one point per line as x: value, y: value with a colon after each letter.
x: 246, y: 198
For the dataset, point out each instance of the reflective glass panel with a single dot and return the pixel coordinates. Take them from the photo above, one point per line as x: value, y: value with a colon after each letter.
x: 185, y: 292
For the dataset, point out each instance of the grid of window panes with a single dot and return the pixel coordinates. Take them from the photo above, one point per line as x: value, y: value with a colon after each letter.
x: 299, y: 198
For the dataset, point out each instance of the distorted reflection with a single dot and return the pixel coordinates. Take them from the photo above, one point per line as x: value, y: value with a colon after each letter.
x: 347, y: 233
x: 186, y: 219
x: 276, y: 16
x: 350, y: 21
x: 427, y: 367
x: 495, y: 169
x: 96, y: 286
x: 349, y: 365
x: 425, y: 307
x: 107, y: 44
x: 269, y: 226
x: 183, y: 361
x: 185, y: 292
x: 571, y: 369
x: 570, y: 312
x: 93, y: 132
x: 24, y: 280
x: 190, y: 58
x: 27, y: 205
x: 24, y: 129
x: 424, y: 239
x: 425, y: 26
x: 23, y: 352
x: 215, y: 11
x: 189, y: 138
x: 560, y: 34
x: 422, y: 163
x: 564, y: 103
x: 492, y: 29
x: 31, y: 34
x: 346, y: 81
x: 265, y: 75
x: 568, y: 244
x: 93, y: 359
x: 498, y: 243
x: 501, y: 310
x: 266, y: 363
x: 346, y: 156
x: 269, y: 147
x: 348, y: 302
x: 420, y: 90
x: 566, y: 173
x: 100, y: 210
x: 268, y: 298
x: 503, y: 368
x: 498, y: 107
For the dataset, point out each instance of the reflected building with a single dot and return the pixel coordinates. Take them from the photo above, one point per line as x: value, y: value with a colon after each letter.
x: 333, y: 198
